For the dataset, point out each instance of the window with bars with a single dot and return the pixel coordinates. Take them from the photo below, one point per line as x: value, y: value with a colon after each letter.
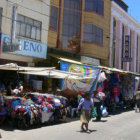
x: 95, y: 5
x: 29, y: 28
x: 54, y: 18
x: 93, y: 34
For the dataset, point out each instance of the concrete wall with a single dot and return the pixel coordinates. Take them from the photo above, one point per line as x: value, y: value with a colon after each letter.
x: 34, y: 9
x: 123, y: 18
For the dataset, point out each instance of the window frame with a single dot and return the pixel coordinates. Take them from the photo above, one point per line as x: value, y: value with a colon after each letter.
x: 95, y: 6
x: 32, y: 25
x: 95, y: 34
x: 54, y: 17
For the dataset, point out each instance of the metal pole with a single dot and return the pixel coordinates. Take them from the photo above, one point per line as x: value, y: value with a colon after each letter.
x: 13, y: 26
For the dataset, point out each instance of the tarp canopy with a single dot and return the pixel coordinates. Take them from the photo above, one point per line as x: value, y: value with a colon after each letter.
x: 118, y: 70
x: 15, y: 67
x: 43, y: 71
x: 56, y: 74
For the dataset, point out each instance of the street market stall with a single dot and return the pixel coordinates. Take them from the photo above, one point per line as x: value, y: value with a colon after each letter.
x: 35, y: 108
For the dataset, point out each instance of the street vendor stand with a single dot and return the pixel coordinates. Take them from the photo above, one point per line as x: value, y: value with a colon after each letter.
x: 126, y: 82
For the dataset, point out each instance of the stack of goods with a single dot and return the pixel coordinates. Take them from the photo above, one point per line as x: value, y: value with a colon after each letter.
x: 127, y: 86
x: 60, y: 104
x: 24, y: 112
x: 35, y: 108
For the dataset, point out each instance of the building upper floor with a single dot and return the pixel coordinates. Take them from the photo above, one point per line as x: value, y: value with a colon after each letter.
x: 80, y: 26
x: 122, y: 26
x: 31, y: 27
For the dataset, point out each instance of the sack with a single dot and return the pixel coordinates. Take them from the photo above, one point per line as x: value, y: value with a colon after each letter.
x: 116, y: 99
x: 94, y: 112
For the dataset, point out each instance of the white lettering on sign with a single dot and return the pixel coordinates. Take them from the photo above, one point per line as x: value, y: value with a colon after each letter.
x: 30, y: 48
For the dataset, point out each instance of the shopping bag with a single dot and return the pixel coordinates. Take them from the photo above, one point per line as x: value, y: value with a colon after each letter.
x: 104, y: 112
x: 94, y: 112
x: 79, y: 114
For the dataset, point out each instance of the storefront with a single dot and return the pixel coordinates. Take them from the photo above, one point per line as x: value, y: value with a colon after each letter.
x: 31, y: 51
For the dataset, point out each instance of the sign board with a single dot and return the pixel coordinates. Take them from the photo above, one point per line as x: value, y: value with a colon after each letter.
x: 90, y: 61
x: 127, y: 51
x: 29, y: 47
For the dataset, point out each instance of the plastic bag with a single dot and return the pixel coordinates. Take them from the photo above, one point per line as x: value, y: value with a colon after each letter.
x: 116, y: 99
x: 94, y: 112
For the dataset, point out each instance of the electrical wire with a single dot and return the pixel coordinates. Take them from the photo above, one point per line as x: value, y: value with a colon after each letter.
x: 104, y: 35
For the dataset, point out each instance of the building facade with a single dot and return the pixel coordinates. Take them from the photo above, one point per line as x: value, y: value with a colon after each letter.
x: 80, y: 28
x: 122, y: 25
x: 32, y: 22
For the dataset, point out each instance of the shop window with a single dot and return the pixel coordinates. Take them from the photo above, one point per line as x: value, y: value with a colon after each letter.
x: 27, y: 27
x: 95, y: 5
x: 54, y: 18
x: 93, y: 34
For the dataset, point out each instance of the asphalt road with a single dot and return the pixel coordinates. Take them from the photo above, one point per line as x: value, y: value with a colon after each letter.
x: 124, y: 126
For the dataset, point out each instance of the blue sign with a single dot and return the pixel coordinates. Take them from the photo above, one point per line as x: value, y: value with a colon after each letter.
x: 29, y: 48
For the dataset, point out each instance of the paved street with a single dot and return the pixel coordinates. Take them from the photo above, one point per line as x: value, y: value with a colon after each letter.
x: 124, y: 126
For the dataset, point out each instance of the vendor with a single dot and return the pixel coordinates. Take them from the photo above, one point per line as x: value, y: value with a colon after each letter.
x: 73, y: 105
x: 3, y: 111
x: 9, y: 90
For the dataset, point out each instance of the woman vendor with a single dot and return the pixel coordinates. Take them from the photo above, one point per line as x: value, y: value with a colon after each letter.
x: 85, y: 105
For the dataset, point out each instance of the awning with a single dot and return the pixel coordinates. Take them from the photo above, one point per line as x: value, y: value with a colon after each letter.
x: 66, y: 59
x: 43, y: 71
x: 15, y: 67
x: 118, y: 70
x: 56, y: 74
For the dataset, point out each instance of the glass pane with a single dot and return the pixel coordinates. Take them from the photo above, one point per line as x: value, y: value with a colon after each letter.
x: 38, y: 34
x: 17, y: 28
x: 95, y: 5
x: 28, y: 31
x: 33, y: 33
x: 53, y: 18
x: 88, y: 28
x: 22, y: 31
x: 20, y: 18
x: 37, y: 24
x: 29, y: 21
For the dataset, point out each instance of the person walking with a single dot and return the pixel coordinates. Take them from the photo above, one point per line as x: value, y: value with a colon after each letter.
x: 97, y: 104
x: 85, y: 105
x: 137, y: 101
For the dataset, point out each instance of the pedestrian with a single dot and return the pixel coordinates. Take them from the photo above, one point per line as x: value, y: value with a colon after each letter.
x: 73, y: 105
x: 97, y: 104
x: 137, y: 100
x: 85, y: 105
x: 3, y: 112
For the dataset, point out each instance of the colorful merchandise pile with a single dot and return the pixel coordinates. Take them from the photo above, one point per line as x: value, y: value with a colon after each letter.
x: 34, y: 108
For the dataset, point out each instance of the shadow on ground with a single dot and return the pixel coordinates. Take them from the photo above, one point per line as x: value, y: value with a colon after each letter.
x: 91, y: 131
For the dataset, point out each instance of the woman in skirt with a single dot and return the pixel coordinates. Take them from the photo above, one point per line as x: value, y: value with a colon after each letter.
x: 85, y: 105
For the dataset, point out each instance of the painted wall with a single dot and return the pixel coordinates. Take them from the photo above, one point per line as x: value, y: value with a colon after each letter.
x: 34, y: 9
x: 87, y: 49
x: 123, y: 18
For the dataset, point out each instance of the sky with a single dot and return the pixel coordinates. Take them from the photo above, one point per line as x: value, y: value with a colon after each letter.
x: 134, y: 8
